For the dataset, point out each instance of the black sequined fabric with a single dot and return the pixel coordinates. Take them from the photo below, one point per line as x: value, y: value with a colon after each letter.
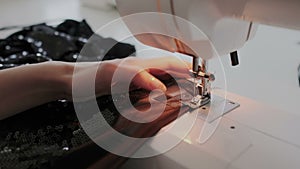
x: 39, y: 43
x: 39, y: 137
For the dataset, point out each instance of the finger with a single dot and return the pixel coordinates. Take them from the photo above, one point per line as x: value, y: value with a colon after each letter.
x: 167, y: 63
x: 145, y: 80
x: 160, y: 73
x: 179, y: 75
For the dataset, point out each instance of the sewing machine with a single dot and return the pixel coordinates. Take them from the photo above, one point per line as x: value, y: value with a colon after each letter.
x: 251, y: 135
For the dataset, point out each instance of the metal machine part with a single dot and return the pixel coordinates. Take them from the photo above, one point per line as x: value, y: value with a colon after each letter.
x: 299, y: 74
x: 210, y: 107
x: 205, y: 110
x: 202, y: 79
x: 196, y: 102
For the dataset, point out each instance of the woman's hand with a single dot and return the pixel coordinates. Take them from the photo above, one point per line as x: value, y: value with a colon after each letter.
x: 120, y: 74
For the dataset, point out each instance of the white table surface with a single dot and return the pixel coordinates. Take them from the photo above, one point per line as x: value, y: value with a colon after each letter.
x: 268, y: 64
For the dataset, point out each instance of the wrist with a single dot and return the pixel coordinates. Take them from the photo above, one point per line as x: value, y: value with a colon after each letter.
x: 57, y: 79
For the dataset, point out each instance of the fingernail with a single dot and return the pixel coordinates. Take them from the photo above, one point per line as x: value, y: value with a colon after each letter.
x: 162, y: 87
x: 158, y: 85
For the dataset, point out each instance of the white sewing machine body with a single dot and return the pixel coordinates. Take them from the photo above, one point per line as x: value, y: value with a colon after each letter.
x: 251, y: 136
x: 228, y: 24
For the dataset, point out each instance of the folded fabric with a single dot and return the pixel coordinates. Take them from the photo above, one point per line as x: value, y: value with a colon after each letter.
x: 40, y: 43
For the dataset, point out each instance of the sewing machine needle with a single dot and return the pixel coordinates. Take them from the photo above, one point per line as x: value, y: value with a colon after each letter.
x: 194, y: 87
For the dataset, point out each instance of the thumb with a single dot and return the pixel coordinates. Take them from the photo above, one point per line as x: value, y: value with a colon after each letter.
x: 147, y: 81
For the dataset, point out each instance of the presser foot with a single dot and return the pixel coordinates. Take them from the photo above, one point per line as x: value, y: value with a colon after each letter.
x: 197, y: 101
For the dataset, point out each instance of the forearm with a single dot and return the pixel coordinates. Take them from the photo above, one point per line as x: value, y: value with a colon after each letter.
x: 28, y: 86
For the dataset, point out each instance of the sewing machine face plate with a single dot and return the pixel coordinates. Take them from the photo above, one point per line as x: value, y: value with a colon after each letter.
x: 208, y: 109
x: 220, y: 107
